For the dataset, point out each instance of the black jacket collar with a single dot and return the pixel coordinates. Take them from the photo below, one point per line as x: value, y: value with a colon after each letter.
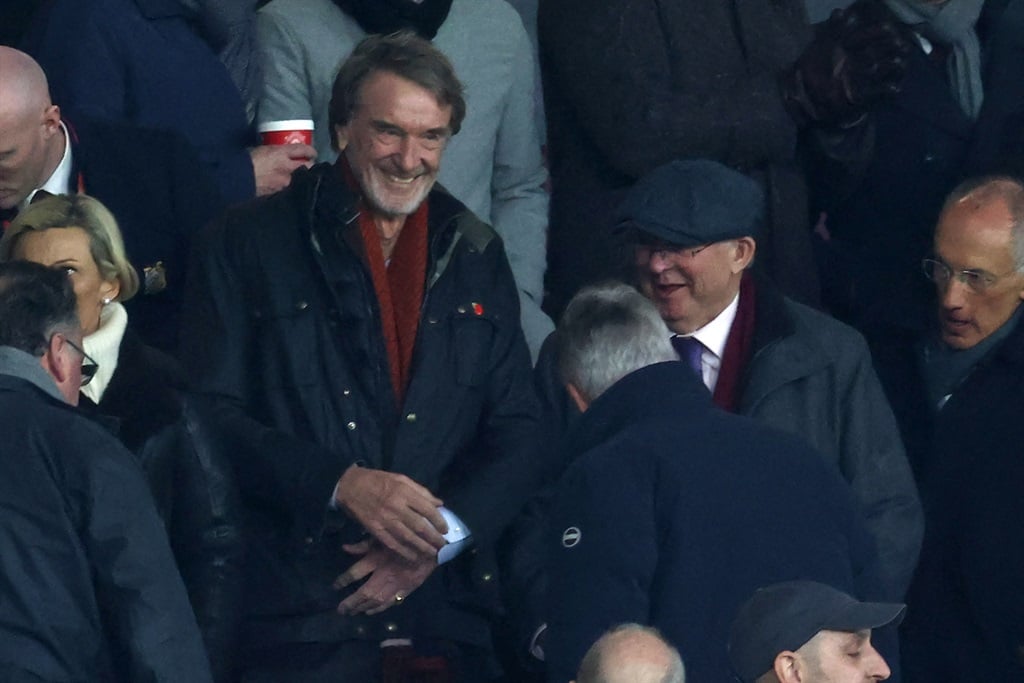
x: 667, y: 390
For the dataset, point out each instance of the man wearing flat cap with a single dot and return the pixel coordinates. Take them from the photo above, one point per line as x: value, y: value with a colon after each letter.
x: 809, y: 632
x: 693, y: 229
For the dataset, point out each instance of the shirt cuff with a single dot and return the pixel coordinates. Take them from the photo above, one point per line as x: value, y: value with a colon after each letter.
x: 458, y: 536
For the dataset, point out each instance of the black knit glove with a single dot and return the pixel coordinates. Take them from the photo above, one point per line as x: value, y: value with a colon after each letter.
x: 858, y: 56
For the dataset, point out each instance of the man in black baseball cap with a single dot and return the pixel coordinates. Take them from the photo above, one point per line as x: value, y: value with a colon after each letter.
x: 807, y: 632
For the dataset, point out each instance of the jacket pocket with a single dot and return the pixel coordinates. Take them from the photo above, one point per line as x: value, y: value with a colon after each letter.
x: 475, y: 335
x: 286, y: 342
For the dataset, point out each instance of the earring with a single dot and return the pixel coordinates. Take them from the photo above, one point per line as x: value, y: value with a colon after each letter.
x: 107, y: 300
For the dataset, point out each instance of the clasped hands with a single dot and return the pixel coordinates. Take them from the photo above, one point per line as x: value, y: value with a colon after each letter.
x: 407, y: 530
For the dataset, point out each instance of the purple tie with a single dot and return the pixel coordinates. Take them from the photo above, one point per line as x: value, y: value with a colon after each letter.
x: 690, y: 350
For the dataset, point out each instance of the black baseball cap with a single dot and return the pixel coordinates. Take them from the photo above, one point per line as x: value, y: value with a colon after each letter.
x: 693, y: 202
x: 784, y: 616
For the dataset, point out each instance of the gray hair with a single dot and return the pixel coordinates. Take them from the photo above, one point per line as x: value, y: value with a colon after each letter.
x: 985, y: 189
x: 608, y: 331
x: 598, y: 667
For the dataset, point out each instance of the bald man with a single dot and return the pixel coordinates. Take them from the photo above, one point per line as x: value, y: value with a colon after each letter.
x: 631, y: 653
x: 152, y: 181
x: 31, y: 139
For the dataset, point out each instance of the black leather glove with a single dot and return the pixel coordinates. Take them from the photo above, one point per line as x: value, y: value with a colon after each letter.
x: 858, y: 56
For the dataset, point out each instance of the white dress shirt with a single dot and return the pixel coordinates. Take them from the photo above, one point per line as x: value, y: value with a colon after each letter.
x: 713, y: 337
x: 60, y: 180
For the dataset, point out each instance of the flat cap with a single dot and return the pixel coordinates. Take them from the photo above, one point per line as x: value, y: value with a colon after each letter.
x: 784, y: 616
x: 693, y: 202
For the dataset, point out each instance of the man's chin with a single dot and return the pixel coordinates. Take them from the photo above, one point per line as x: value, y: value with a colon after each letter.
x: 9, y: 201
x: 389, y: 206
x: 958, y: 339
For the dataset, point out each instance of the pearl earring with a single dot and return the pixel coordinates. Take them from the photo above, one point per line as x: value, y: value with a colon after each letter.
x: 107, y: 300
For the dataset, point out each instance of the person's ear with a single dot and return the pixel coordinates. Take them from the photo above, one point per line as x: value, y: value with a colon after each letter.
x: 341, y: 137
x: 51, y: 120
x: 743, y: 253
x: 110, y: 289
x: 787, y: 667
x: 578, y: 397
x: 56, y: 360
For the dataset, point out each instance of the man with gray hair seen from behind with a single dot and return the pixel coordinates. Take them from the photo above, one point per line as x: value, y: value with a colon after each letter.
x: 674, y: 511
x: 631, y: 653
x: 808, y: 632
x: 88, y: 585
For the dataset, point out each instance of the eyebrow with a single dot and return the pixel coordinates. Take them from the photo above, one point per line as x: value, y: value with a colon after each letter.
x: 858, y: 637
x: 384, y: 124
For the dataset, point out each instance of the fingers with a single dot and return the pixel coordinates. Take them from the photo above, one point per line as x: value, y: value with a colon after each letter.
x: 356, y: 572
x: 299, y: 151
x: 374, y: 596
x: 406, y: 542
x: 391, y: 580
x: 360, y: 548
x: 428, y: 510
x: 358, y: 602
x: 400, y: 513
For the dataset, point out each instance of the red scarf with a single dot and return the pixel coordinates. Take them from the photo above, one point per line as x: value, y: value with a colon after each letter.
x: 399, y: 285
x: 738, y: 347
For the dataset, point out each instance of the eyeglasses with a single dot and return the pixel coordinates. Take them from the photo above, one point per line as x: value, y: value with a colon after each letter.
x: 89, y: 366
x: 643, y: 252
x: 978, y: 281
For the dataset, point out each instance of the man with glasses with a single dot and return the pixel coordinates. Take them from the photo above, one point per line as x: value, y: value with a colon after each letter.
x: 692, y: 228
x: 88, y: 585
x: 958, y: 391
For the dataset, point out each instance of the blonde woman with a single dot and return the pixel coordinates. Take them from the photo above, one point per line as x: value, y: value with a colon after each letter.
x: 138, y: 387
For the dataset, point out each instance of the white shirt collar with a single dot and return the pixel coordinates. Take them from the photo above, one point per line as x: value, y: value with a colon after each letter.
x: 60, y: 180
x: 714, y: 335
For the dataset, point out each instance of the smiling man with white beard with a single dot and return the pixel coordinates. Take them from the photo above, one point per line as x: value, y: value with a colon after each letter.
x: 358, y: 336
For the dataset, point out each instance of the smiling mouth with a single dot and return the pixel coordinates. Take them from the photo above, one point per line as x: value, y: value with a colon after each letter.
x: 400, y: 180
x: 668, y: 288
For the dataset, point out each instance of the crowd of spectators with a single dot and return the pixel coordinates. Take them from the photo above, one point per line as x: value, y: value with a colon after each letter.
x: 300, y: 412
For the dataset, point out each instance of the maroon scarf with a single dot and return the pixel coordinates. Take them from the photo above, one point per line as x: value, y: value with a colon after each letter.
x: 738, y: 348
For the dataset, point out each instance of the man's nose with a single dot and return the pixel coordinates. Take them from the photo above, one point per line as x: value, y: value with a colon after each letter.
x: 409, y: 154
x: 954, y: 294
x: 660, y: 261
x: 877, y: 668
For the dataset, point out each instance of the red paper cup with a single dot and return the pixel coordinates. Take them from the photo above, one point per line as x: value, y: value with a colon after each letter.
x: 293, y: 132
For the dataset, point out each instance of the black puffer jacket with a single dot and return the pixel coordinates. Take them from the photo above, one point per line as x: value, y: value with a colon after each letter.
x: 191, y: 484
x: 284, y: 338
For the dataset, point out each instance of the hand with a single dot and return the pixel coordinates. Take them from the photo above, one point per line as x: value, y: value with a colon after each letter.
x: 273, y: 165
x: 858, y: 56
x: 392, y: 578
x: 397, y: 511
